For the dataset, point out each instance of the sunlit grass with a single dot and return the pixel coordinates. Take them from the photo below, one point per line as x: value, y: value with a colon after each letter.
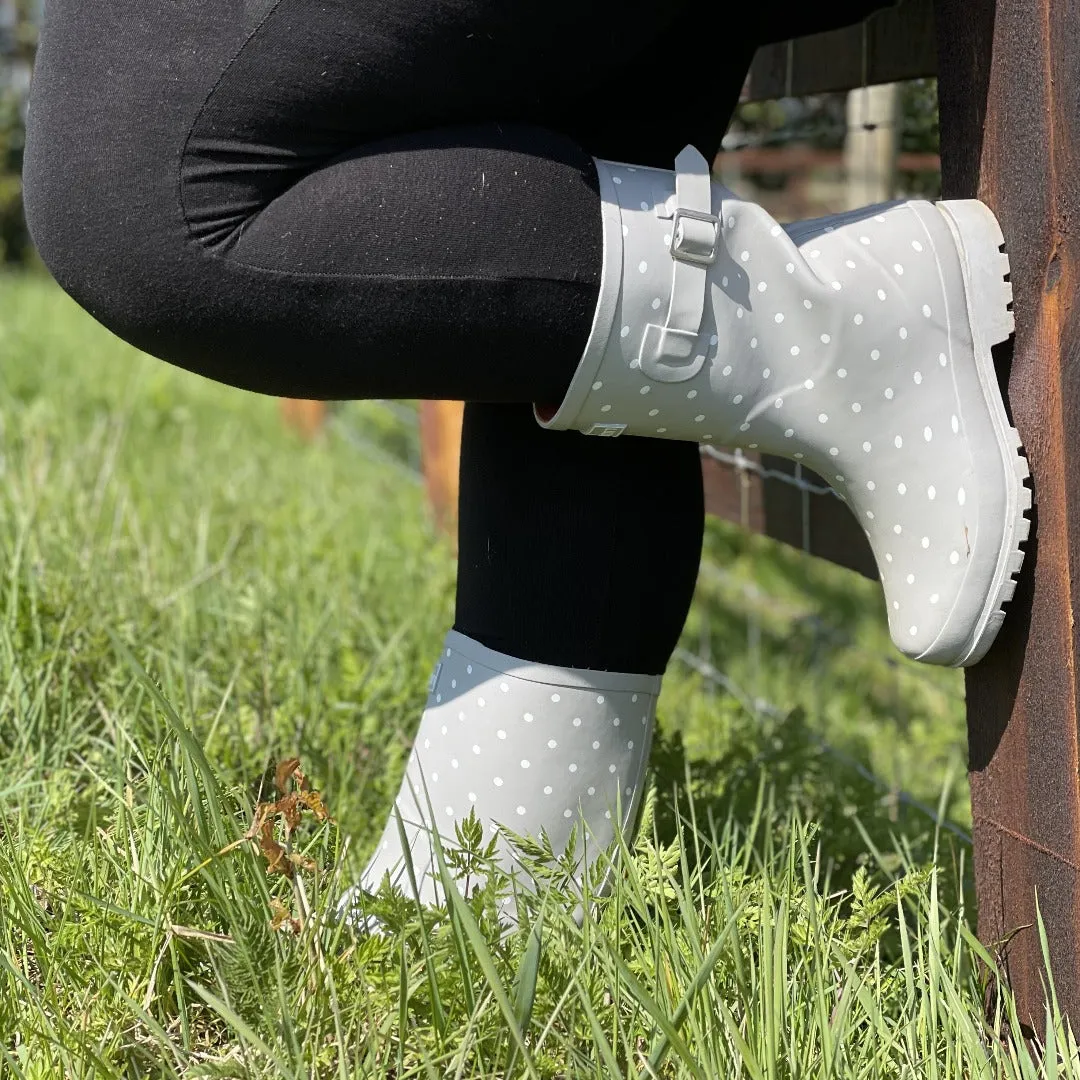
x: 190, y: 596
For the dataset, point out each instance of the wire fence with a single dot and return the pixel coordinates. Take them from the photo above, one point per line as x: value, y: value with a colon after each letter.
x: 737, y: 460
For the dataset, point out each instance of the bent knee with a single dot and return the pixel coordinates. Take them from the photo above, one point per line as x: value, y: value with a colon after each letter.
x: 110, y: 237
x: 101, y: 185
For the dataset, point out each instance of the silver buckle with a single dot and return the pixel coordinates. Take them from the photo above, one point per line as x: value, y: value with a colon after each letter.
x: 689, y: 256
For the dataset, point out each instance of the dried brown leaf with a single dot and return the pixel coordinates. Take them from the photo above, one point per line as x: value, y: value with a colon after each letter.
x: 276, y: 857
x: 285, y: 772
x: 313, y: 801
x: 303, y: 861
x: 289, y: 808
x: 283, y: 917
x: 262, y: 810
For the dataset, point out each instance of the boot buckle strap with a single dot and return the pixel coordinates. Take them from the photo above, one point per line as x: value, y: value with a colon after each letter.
x: 670, y: 352
x: 695, y: 237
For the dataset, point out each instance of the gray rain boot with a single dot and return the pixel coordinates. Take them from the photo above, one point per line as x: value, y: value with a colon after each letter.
x: 858, y: 344
x: 526, y: 746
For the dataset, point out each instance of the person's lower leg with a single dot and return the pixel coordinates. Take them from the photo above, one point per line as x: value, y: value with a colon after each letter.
x: 575, y: 552
x: 577, y: 564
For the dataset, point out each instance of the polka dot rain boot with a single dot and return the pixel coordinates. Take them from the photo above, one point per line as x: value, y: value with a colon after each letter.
x: 857, y: 344
x: 524, y: 745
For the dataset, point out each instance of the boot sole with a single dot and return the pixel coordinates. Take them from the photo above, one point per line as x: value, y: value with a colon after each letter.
x: 985, y: 265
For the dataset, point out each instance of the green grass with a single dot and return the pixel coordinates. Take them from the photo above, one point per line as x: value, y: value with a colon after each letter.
x: 189, y: 596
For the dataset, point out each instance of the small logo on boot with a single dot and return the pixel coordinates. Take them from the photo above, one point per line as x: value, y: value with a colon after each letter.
x: 434, y: 679
x: 608, y: 431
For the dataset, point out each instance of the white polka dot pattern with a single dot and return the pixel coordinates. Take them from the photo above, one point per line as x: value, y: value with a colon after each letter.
x: 846, y: 344
x: 546, y: 753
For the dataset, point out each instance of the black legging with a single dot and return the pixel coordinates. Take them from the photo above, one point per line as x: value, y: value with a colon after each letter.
x: 396, y: 198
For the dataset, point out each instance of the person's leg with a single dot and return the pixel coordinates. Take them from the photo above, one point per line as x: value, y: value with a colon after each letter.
x: 295, y: 241
x: 575, y: 552
x: 361, y: 199
x: 242, y: 235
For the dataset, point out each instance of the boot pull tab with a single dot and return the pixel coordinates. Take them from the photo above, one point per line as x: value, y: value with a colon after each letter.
x: 669, y: 353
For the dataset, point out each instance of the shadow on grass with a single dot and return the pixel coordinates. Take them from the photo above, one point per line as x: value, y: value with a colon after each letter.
x: 858, y: 823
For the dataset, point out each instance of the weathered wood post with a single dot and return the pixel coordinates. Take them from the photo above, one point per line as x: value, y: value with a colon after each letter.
x: 1010, y: 116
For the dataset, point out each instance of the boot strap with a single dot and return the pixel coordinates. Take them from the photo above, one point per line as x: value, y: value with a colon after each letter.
x: 669, y: 353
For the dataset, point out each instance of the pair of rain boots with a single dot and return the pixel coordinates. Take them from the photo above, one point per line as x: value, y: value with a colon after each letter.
x: 859, y: 345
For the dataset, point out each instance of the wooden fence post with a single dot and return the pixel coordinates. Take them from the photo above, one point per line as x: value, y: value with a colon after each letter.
x: 305, y: 417
x: 440, y: 454
x: 1010, y: 116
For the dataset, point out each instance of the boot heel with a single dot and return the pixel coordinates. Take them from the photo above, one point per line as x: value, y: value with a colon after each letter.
x: 986, y: 265
x: 979, y: 242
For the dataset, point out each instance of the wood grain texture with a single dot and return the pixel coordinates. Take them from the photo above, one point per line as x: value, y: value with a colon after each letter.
x: 1010, y: 104
x: 734, y: 495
